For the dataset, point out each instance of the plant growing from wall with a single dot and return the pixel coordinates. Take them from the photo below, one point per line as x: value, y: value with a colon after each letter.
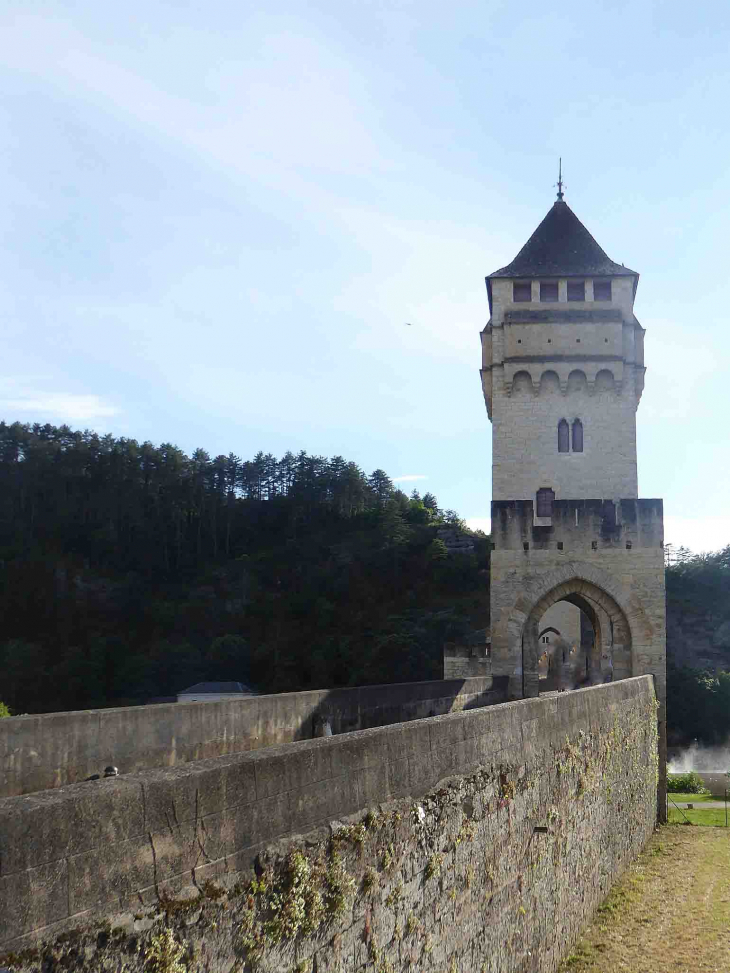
x: 165, y: 954
x: 299, y: 903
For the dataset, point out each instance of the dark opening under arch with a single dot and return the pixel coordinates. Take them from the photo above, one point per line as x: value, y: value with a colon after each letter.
x: 602, y: 611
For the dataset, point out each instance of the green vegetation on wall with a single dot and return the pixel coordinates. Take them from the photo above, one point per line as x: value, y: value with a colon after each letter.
x: 502, y: 862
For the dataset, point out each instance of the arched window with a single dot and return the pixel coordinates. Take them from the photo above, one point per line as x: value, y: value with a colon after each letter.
x: 545, y: 497
x: 563, y: 437
x: 577, y: 436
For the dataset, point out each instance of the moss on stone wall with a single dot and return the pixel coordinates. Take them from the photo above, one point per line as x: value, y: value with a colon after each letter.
x: 495, y: 871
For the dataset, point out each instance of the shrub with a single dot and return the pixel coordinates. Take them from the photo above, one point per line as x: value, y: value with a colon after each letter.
x: 4, y: 711
x: 690, y: 783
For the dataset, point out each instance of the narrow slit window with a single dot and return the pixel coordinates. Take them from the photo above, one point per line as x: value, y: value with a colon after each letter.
x: 549, y: 290
x: 545, y: 497
x: 563, y: 437
x: 521, y: 291
x: 576, y: 290
x: 601, y: 290
x: 577, y: 436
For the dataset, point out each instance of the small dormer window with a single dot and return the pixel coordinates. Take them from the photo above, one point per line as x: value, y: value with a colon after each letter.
x: 549, y: 291
x: 601, y: 290
x: 576, y: 290
x: 521, y: 291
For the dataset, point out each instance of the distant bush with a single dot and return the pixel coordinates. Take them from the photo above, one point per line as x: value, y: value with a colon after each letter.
x: 690, y: 783
x: 4, y: 711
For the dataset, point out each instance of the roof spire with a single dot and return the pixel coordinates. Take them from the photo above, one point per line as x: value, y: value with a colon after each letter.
x: 560, y: 180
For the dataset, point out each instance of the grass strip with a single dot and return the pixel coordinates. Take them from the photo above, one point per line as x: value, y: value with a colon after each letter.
x: 670, y: 911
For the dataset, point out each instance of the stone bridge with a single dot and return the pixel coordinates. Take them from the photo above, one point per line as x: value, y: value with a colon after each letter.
x: 478, y: 840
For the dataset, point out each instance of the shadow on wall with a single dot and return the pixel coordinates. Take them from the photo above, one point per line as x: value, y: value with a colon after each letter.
x: 50, y: 750
x: 342, y: 712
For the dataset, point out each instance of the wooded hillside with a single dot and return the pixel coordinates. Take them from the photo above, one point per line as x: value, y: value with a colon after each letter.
x: 131, y: 571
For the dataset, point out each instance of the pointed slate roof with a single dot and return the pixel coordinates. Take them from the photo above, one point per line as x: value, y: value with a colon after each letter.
x: 562, y: 247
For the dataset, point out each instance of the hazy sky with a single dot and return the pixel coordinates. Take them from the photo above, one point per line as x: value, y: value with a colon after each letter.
x: 216, y: 219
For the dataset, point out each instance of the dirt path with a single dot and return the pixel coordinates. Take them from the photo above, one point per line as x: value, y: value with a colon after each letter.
x: 670, y: 913
x: 700, y: 805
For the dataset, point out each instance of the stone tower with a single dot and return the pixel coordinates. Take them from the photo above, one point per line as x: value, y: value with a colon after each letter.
x: 562, y: 373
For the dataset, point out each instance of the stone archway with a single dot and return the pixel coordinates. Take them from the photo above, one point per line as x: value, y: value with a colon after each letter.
x: 603, y: 612
x: 615, y: 605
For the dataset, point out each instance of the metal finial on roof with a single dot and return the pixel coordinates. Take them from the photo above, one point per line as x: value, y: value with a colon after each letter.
x: 560, y: 180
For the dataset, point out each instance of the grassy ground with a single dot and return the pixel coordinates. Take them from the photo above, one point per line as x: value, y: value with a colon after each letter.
x: 670, y: 913
x: 709, y: 817
x: 691, y: 798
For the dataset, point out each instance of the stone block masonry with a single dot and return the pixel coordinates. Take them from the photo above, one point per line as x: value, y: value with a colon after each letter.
x: 479, y: 841
x: 50, y: 750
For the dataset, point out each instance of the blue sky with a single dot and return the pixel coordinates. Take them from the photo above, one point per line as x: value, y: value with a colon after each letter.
x: 216, y: 220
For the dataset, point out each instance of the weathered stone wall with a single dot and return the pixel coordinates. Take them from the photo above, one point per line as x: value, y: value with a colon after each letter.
x: 543, y: 362
x: 490, y: 838
x: 525, y: 434
x: 462, y: 662
x: 470, y: 658
x: 622, y: 298
x: 40, y: 752
x: 565, y: 619
x: 626, y: 565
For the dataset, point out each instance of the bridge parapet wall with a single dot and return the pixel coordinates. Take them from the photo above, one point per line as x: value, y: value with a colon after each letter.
x: 50, y: 750
x: 530, y: 810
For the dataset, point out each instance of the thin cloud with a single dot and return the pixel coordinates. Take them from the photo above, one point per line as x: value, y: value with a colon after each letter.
x: 409, y: 478
x: 66, y: 406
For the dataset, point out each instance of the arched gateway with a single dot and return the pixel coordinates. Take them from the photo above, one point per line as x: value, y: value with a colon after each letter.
x: 612, y: 633
x: 563, y: 351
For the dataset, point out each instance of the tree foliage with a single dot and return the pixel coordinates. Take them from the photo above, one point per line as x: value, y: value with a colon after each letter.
x: 130, y: 571
x: 698, y: 700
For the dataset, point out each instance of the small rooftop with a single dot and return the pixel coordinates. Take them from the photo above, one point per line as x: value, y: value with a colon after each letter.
x: 200, y: 688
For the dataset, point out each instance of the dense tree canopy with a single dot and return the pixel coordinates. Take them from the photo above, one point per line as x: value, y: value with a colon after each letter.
x: 130, y: 571
x: 698, y: 593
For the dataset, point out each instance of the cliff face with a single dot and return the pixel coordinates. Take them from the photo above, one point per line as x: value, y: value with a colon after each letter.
x: 698, y: 638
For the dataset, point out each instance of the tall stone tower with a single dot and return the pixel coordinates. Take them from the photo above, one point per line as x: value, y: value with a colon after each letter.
x: 562, y: 373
